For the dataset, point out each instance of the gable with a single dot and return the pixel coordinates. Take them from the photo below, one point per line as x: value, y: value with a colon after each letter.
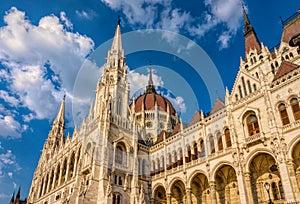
x: 285, y: 68
x: 244, y: 85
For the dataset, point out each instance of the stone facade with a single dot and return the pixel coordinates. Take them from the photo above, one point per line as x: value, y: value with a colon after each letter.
x: 228, y: 156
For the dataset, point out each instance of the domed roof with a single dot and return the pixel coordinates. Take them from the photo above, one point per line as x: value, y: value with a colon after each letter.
x: 148, y: 100
x: 150, y: 97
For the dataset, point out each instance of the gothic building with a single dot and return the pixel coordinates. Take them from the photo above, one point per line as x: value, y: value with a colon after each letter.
x: 246, y: 150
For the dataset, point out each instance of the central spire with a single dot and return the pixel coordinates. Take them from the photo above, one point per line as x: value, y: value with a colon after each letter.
x: 117, y: 41
x: 150, y: 87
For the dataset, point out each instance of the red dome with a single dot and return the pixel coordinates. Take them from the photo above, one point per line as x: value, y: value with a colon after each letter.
x: 149, y: 100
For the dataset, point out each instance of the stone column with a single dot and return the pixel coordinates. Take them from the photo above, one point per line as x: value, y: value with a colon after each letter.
x: 67, y: 171
x: 212, y: 186
x: 54, y: 178
x: 43, y: 190
x: 169, y: 198
x: 242, y: 188
x: 188, y: 196
x: 286, y: 182
x: 248, y: 186
x: 60, y: 175
x: 75, y: 166
x: 293, y: 178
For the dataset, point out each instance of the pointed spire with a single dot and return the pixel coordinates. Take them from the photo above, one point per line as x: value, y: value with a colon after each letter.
x: 12, y: 200
x: 60, y: 118
x: 18, y: 194
x: 117, y: 41
x: 251, y: 40
x: 150, y: 89
x: 247, y: 25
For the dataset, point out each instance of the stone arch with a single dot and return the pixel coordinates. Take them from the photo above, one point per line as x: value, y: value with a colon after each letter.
x: 178, y: 191
x: 218, y: 166
x: 263, y: 170
x: 172, y: 182
x: 253, y: 154
x: 200, y: 189
x: 159, y: 194
x: 194, y: 173
x: 291, y: 145
x: 226, y: 185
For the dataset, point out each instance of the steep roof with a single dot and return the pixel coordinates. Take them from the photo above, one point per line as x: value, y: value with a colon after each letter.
x: 219, y: 104
x: 284, y: 69
x: 196, y: 118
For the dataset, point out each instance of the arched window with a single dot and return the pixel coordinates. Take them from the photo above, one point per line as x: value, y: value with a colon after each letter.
x: 41, y: 189
x: 158, y: 165
x: 121, y: 154
x: 276, y: 64
x: 195, y: 156
x: 180, y: 155
x: 46, y: 182
x: 291, y: 55
x: 175, y: 159
x: 249, y: 86
x: 256, y: 74
x: 220, y: 142
x: 202, y: 147
x: 227, y: 137
x: 170, y: 161
x: 117, y: 199
x: 189, y: 154
x: 240, y: 92
x: 252, y: 124
x: 295, y: 108
x: 283, y: 114
x: 162, y: 162
x: 275, y: 191
x: 254, y: 87
x: 212, y: 144
x: 244, y: 86
x: 236, y: 97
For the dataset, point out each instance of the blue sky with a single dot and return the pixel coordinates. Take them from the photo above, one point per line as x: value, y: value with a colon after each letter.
x: 43, y: 46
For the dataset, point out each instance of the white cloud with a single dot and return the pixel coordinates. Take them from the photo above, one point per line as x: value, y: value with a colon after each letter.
x: 138, y: 82
x: 10, y: 174
x: 28, y: 53
x: 65, y: 20
x: 223, y: 13
x: 224, y: 39
x: 7, y: 160
x: 89, y: 14
x: 9, y: 99
x: 10, y: 128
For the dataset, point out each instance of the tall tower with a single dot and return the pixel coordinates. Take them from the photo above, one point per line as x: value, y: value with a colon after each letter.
x: 113, y: 86
x: 251, y: 40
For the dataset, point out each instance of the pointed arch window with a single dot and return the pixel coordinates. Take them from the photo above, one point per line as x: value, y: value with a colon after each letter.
x: 220, y: 142
x: 252, y: 124
x: 295, y: 108
x: 283, y: 114
x: 202, y: 148
x: 212, y: 144
x: 227, y: 137
x: 120, y: 157
x: 195, y: 156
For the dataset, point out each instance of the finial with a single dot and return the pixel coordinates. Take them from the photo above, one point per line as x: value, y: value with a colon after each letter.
x: 119, y: 20
x: 281, y: 20
x: 64, y: 96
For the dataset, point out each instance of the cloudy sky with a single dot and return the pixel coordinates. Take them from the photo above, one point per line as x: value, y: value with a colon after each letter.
x: 43, y: 47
